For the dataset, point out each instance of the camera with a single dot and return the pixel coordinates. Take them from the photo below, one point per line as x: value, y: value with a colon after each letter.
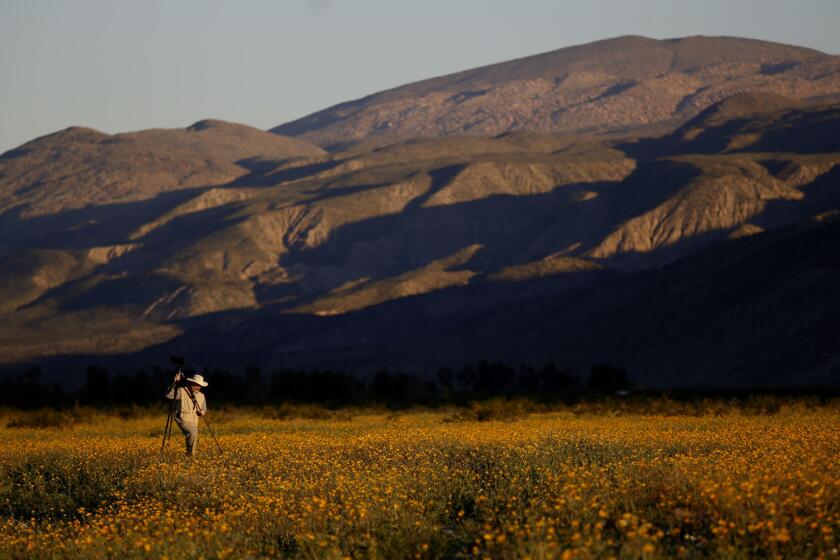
x: 178, y: 362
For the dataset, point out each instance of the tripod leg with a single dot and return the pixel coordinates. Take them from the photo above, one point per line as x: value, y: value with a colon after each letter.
x: 167, y: 430
x: 168, y: 435
x: 212, y: 433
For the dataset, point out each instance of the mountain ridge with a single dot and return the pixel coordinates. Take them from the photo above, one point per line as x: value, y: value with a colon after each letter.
x: 577, y: 87
x: 100, y: 167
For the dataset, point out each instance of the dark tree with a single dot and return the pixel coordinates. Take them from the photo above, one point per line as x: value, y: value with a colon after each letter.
x: 557, y: 382
x: 97, y: 388
x: 446, y: 378
x: 606, y: 379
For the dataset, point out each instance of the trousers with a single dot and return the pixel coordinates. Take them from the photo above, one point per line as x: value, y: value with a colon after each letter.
x: 190, y: 431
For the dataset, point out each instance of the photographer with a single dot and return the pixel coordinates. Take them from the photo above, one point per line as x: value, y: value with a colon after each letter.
x: 190, y: 405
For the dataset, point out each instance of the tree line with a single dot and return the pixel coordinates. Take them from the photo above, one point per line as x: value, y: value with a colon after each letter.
x: 482, y: 380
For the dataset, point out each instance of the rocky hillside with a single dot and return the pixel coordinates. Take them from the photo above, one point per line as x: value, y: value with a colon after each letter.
x: 79, y: 167
x: 705, y: 256
x: 617, y: 83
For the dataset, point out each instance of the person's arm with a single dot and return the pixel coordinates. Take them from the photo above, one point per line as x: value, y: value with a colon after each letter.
x: 172, y: 392
x: 202, y: 405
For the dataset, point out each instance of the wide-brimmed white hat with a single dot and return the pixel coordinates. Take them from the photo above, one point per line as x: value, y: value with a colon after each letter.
x: 198, y: 380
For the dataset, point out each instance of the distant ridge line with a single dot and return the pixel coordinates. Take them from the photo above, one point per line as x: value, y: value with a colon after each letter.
x: 534, y: 92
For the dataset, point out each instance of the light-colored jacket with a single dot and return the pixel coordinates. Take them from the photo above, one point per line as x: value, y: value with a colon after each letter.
x: 185, y: 409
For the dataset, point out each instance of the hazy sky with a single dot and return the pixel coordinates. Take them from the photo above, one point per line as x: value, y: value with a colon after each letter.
x: 121, y: 65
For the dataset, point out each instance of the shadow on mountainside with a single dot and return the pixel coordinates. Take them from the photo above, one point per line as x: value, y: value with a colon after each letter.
x: 814, y: 131
x: 320, y: 195
x: 822, y: 197
x: 762, y: 310
x: 803, y: 130
x: 87, y: 227
x: 757, y: 311
x: 270, y: 176
x: 511, y: 229
x: 125, y: 279
x: 441, y: 177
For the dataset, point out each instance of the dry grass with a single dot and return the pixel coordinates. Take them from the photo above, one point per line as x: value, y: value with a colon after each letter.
x: 538, y: 484
x: 50, y: 418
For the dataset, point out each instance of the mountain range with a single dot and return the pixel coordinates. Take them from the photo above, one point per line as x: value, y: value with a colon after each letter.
x: 666, y: 206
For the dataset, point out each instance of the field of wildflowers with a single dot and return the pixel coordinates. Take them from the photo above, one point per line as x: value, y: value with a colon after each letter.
x: 559, y: 484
